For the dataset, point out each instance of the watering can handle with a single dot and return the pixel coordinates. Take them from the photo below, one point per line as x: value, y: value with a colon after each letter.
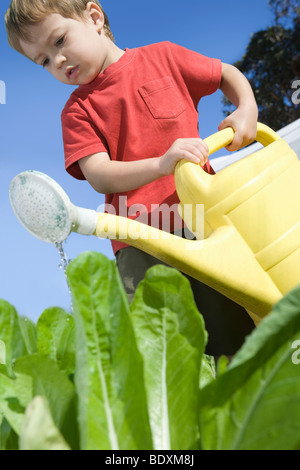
x: 221, y: 139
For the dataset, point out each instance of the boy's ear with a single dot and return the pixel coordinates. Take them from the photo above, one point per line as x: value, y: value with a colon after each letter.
x: 95, y: 14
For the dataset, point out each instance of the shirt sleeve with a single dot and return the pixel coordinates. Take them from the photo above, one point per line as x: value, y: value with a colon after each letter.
x: 201, y: 74
x: 81, y: 138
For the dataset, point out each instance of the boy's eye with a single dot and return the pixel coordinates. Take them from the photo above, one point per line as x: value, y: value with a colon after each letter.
x: 60, y: 41
x: 45, y: 62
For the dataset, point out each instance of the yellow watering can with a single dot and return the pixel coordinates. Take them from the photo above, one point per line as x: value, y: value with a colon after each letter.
x: 251, y: 251
x: 251, y: 246
x: 250, y: 243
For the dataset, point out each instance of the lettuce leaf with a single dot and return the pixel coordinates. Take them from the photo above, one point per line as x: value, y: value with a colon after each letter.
x: 171, y: 338
x: 109, y: 371
x: 255, y: 404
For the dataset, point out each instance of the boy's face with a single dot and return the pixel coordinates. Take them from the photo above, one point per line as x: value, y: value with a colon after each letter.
x: 74, y: 51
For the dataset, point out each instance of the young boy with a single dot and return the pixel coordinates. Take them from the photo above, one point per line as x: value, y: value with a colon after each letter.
x: 132, y: 118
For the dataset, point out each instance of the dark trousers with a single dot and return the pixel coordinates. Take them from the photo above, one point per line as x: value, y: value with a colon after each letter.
x: 226, y: 322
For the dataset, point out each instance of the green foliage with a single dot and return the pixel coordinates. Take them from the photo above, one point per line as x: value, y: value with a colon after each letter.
x: 132, y: 377
x: 285, y: 10
x: 39, y: 431
x: 171, y: 338
x: 112, y: 409
x: 268, y: 65
x: 255, y: 404
x: 271, y: 64
x: 2, y: 353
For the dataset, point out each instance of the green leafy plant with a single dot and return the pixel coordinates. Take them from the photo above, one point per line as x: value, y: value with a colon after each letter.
x: 115, y: 376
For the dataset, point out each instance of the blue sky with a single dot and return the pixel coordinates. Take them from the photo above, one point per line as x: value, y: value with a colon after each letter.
x: 30, y: 133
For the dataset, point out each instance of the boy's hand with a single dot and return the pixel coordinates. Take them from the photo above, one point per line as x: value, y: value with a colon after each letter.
x: 244, y: 123
x: 237, y: 89
x: 192, y: 149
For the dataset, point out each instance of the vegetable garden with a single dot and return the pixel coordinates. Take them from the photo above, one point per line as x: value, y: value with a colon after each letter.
x: 111, y: 376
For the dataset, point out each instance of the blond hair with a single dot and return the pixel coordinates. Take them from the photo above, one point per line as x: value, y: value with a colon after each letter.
x: 25, y: 13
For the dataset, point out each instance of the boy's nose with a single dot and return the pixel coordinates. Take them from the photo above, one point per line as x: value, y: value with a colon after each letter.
x: 59, y: 60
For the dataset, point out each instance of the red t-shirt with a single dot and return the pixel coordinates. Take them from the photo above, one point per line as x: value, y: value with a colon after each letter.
x: 136, y: 109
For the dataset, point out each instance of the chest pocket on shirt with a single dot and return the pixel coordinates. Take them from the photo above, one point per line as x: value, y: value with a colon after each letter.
x: 162, y: 98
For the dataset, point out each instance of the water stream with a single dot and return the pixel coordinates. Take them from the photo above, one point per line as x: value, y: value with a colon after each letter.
x: 64, y: 262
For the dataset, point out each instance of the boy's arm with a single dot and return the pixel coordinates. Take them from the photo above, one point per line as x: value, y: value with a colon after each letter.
x: 107, y: 176
x: 243, y: 120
